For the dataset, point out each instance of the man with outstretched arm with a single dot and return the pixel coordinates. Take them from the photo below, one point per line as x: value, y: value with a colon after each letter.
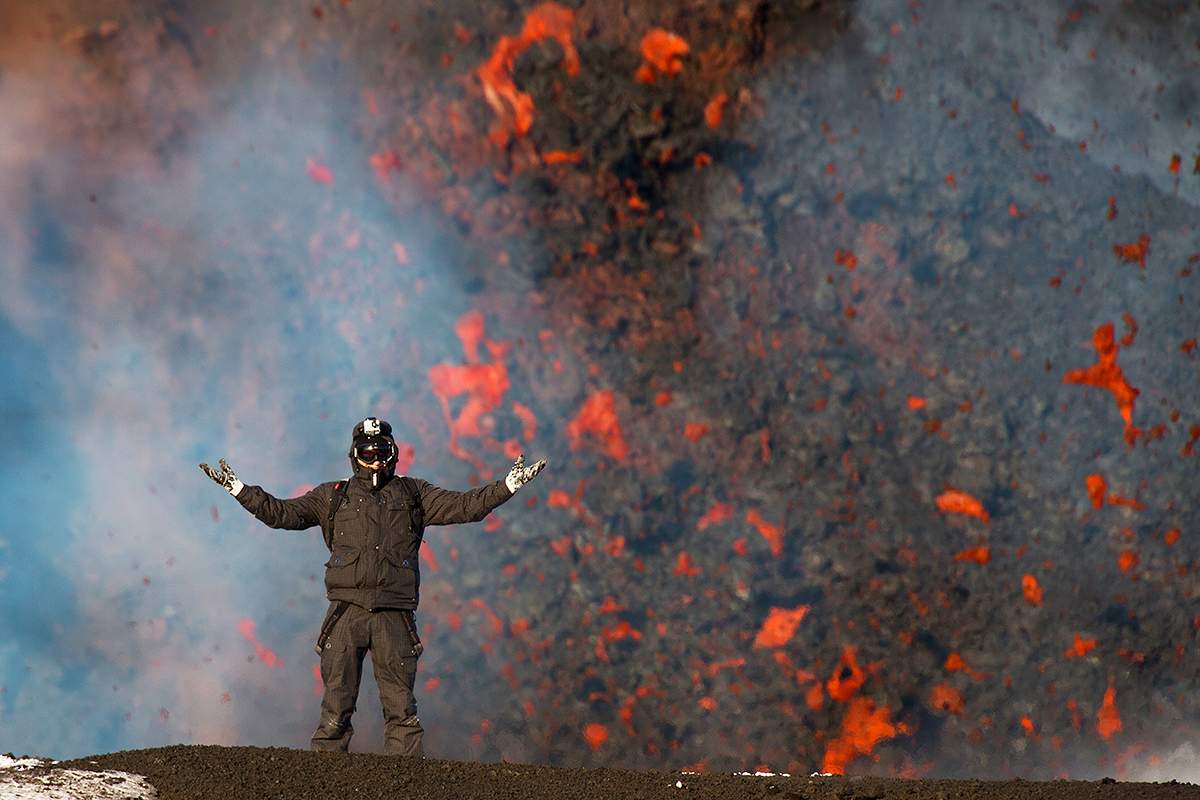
x: 372, y: 524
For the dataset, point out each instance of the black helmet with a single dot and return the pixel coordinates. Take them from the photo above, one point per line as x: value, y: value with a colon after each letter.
x: 372, y: 442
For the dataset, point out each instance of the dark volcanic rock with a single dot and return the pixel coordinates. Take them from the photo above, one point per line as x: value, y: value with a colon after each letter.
x: 235, y: 773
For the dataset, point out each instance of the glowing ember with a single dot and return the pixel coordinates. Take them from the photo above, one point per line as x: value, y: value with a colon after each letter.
x: 598, y: 418
x: 863, y: 727
x: 772, y: 533
x: 1134, y: 252
x: 246, y: 629
x: 779, y: 626
x: 720, y: 512
x: 318, y: 171
x: 663, y: 54
x: 1107, y: 374
x: 1108, y: 720
x: 513, y: 108
x: 1031, y: 590
x: 847, y: 678
x: 483, y: 384
x: 595, y: 734
x: 953, y: 501
x: 1081, y: 647
x: 955, y: 663
x: 945, y: 697
x: 714, y: 110
x: 980, y: 555
x: 684, y: 565
x: 1096, y: 487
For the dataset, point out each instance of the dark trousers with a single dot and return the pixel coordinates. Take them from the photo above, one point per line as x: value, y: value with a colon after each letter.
x: 384, y: 633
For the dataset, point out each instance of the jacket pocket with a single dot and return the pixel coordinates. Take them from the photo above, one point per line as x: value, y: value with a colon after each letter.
x: 401, y: 578
x: 342, y: 570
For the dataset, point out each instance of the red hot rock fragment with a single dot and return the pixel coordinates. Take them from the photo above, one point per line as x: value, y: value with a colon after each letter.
x: 483, y: 384
x: 598, y: 419
x: 1107, y: 374
x: 514, y: 108
x: 779, y: 626
x: 663, y: 54
x: 863, y: 727
x: 1134, y: 252
x: 953, y: 501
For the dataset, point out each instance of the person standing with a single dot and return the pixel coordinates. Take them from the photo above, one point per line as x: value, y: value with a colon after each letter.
x: 372, y: 524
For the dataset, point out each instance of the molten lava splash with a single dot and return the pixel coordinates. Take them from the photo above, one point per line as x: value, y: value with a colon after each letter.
x: 944, y: 697
x: 955, y: 663
x: 953, y: 501
x: 1031, y: 589
x: 772, y: 533
x: 847, y: 678
x: 779, y: 626
x: 720, y: 512
x: 246, y: 629
x: 483, y: 384
x: 1106, y: 374
x: 1081, y: 647
x: 1108, y: 720
x: 863, y: 727
x: 514, y: 109
x: 980, y: 555
x: 595, y: 734
x: 598, y: 418
x: 1134, y: 252
x: 663, y: 54
x: 1096, y: 487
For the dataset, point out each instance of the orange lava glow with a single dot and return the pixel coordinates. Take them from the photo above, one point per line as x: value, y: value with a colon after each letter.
x: 1106, y: 374
x: 663, y: 54
x: 1081, y: 647
x: 684, y: 565
x: 552, y: 157
x: 1134, y: 252
x: 863, y: 727
x: 945, y: 697
x: 955, y: 663
x: 779, y: 626
x: 952, y: 501
x: 598, y: 418
x: 595, y: 734
x: 772, y: 533
x: 980, y: 555
x: 1127, y: 560
x: 318, y: 171
x: 847, y: 677
x: 246, y: 629
x: 513, y: 108
x: 714, y: 110
x: 483, y: 384
x: 720, y: 512
x: 1031, y: 589
x: 1108, y: 719
x: 1096, y: 487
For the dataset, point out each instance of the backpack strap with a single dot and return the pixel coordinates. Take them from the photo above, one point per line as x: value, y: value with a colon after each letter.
x: 339, y: 496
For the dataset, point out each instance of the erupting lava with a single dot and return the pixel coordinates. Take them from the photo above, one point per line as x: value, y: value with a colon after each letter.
x: 514, y: 108
x: 1107, y: 374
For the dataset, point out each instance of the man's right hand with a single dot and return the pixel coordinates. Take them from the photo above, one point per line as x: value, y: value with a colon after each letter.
x: 224, y: 476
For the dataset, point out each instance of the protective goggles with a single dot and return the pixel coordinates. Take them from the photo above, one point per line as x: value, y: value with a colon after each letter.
x: 376, y: 450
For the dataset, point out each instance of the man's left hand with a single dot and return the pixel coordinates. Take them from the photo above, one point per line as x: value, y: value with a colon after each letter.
x: 520, y: 474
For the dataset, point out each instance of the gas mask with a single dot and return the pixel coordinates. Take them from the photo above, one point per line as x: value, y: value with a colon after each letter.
x: 372, y: 442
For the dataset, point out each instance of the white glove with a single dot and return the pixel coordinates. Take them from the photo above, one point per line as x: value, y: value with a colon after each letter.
x: 520, y: 474
x: 224, y: 476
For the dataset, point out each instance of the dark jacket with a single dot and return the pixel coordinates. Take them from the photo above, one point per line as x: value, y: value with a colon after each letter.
x: 376, y: 534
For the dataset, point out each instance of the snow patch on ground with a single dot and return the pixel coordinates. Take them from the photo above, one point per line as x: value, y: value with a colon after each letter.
x: 38, y: 779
